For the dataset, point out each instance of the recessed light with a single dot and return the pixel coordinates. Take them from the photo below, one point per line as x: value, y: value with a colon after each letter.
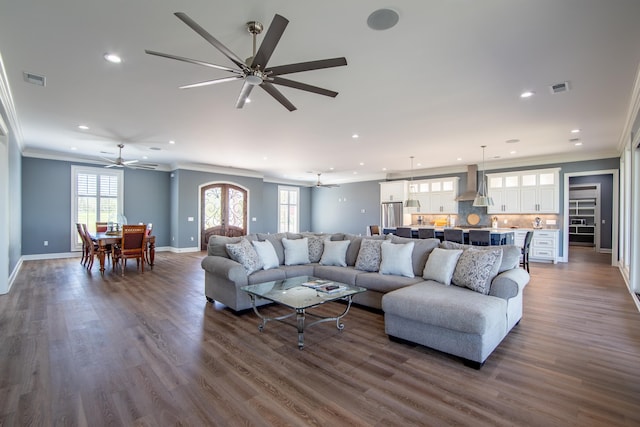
x: 172, y: 142
x: 355, y: 172
x: 418, y: 164
x: 144, y: 157
x: 83, y: 127
x: 355, y: 136
x: 384, y: 169
x: 382, y: 19
x: 361, y: 163
x: 248, y: 101
x: 575, y: 130
x: 577, y: 144
x: 265, y: 158
x: 512, y: 141
x: 331, y: 168
x: 512, y: 152
x: 113, y: 58
x: 74, y: 148
x: 459, y: 159
x: 527, y: 94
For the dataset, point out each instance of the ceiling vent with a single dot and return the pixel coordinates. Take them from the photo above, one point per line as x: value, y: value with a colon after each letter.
x: 34, y: 79
x: 559, y: 87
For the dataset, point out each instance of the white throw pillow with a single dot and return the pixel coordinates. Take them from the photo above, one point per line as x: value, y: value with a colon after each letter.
x: 396, y: 259
x: 441, y: 264
x: 267, y: 254
x: 296, y: 251
x: 335, y: 252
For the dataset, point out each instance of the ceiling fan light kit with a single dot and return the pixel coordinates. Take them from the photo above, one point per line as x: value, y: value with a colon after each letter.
x: 254, y: 71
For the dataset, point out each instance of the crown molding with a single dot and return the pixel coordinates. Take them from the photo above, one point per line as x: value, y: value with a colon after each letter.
x: 7, y: 104
x: 633, y: 114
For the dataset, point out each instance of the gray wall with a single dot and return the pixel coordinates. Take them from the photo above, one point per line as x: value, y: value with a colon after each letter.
x: 606, y: 203
x: 270, y: 207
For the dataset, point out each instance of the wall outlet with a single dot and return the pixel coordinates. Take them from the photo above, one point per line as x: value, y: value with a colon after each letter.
x: 363, y: 211
x: 46, y: 243
x: 190, y: 219
x: 254, y: 219
x: 192, y: 238
x: 550, y: 222
x: 505, y: 221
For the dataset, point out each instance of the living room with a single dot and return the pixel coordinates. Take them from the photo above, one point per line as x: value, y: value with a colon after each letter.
x: 36, y: 195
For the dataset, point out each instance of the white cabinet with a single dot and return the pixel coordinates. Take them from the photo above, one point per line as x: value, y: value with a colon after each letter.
x: 437, y: 196
x: 535, y: 191
x: 544, y: 246
x: 505, y: 191
x: 393, y: 191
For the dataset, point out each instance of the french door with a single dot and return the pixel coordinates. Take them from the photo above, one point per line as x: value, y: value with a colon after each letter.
x: 224, y: 211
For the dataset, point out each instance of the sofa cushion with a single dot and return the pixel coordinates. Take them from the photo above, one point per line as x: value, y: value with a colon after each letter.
x: 244, y: 253
x: 262, y: 276
x: 476, y: 269
x: 396, y: 258
x: 510, y: 253
x: 296, y: 251
x: 335, y: 253
x: 346, y: 275
x: 384, y: 283
x: 449, y: 307
x: 217, y: 245
x: 421, y: 250
x: 276, y: 241
x: 369, y: 255
x: 441, y: 264
x: 316, y: 247
x: 298, y: 270
x: 267, y: 254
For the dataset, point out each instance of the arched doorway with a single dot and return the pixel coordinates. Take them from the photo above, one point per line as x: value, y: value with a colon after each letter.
x: 224, y: 211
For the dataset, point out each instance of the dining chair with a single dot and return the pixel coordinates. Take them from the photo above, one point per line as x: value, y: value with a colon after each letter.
x: 374, y: 230
x: 454, y: 235
x: 525, y: 250
x: 84, y: 248
x: 403, y: 232
x: 101, y: 227
x: 480, y: 237
x: 90, y: 247
x: 132, y: 245
x: 426, y: 233
x: 146, y: 244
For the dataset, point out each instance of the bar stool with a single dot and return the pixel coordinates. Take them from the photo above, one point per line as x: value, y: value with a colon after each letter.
x: 454, y: 235
x: 426, y: 233
x: 525, y: 250
x: 480, y: 237
x: 403, y: 232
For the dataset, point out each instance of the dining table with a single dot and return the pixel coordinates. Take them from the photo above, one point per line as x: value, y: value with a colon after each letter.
x: 107, y: 238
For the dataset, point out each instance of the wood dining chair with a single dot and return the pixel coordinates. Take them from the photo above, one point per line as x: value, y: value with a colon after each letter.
x: 374, y: 230
x: 148, y: 232
x: 454, y: 235
x: 132, y: 245
x: 480, y: 237
x: 90, y: 248
x: 84, y: 247
x: 101, y: 227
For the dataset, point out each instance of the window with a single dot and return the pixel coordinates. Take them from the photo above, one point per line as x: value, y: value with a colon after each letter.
x: 288, y: 209
x: 97, y: 196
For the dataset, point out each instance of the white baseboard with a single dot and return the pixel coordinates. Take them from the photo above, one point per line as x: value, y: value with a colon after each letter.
x: 183, y: 250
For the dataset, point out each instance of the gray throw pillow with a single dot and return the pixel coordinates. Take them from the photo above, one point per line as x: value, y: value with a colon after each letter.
x: 396, y: 259
x: 296, y: 251
x: 316, y: 246
x: 244, y: 253
x: 369, y: 256
x: 441, y: 265
x: 335, y: 253
x: 476, y: 269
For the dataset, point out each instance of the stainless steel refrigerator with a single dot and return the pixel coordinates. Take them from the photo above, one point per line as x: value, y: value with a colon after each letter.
x: 391, y: 214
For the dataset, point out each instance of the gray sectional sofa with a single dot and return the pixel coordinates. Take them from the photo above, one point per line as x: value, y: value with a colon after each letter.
x: 436, y: 296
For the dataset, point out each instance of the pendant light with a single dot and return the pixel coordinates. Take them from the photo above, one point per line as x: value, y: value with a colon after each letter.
x: 411, y: 203
x: 482, y: 198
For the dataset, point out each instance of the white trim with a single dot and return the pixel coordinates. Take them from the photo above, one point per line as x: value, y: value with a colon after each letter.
x: 297, y: 191
x: 614, y: 219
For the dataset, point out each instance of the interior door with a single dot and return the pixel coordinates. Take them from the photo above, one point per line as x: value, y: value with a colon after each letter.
x: 224, y: 211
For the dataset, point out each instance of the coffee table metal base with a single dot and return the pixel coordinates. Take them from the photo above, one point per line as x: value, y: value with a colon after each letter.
x: 301, y: 314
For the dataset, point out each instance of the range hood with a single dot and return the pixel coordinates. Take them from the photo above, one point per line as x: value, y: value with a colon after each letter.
x: 472, y: 184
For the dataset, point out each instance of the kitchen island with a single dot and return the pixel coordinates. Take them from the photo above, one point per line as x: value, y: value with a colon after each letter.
x: 499, y: 236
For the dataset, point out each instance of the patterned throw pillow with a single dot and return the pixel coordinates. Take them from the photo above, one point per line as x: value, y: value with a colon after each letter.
x: 369, y: 256
x: 316, y: 246
x: 477, y: 268
x: 244, y: 253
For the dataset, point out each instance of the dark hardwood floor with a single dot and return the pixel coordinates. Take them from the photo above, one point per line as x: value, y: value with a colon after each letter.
x: 79, y: 349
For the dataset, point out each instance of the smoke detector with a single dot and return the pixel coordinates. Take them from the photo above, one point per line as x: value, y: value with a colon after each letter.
x: 559, y: 87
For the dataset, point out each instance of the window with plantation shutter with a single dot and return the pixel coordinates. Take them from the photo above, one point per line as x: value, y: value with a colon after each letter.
x: 97, y: 195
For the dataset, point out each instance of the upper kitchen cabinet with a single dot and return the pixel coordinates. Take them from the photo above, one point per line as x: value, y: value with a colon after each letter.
x: 539, y: 191
x: 393, y: 191
x: 436, y: 196
x: 534, y: 191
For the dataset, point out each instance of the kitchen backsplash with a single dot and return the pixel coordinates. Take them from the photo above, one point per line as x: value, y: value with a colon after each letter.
x: 504, y: 221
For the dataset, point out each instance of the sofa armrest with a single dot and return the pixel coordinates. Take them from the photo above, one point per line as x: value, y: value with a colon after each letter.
x: 225, y: 268
x: 510, y: 283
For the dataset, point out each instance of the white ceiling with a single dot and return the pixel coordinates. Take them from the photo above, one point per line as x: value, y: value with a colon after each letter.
x: 441, y: 83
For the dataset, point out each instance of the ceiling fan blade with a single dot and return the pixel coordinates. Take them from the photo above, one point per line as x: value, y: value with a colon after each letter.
x: 306, y: 66
x: 211, y: 82
x: 212, y: 40
x: 108, y: 160
x: 193, y: 61
x: 130, y: 162
x: 113, y: 165
x: 270, y: 41
x: 244, y: 94
x: 303, y: 86
x: 268, y: 87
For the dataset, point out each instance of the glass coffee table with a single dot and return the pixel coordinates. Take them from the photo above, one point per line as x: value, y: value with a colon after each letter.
x: 300, y: 294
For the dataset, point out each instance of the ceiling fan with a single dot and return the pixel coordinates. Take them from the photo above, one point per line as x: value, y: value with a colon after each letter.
x: 319, y: 184
x: 119, y: 162
x: 254, y: 71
